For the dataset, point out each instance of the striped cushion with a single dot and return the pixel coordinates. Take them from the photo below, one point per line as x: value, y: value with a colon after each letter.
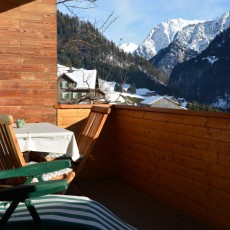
x: 66, y: 212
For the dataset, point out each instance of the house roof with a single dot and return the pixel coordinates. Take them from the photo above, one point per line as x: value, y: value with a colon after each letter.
x: 151, y: 100
x: 84, y: 79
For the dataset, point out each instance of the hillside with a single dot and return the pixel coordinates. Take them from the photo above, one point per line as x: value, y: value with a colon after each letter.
x: 206, y: 78
x: 81, y: 45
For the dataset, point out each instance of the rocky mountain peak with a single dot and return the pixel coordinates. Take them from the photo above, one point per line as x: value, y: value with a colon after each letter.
x: 161, y: 36
x: 189, y: 42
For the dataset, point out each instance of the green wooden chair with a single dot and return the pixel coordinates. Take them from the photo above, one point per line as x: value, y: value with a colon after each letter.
x: 34, y: 206
x: 26, y: 192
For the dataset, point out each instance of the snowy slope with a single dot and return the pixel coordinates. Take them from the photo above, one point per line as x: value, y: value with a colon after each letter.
x: 128, y: 47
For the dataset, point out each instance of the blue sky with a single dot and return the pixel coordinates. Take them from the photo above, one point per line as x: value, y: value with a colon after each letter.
x: 135, y: 18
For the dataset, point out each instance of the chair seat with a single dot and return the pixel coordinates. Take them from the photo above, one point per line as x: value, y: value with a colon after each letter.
x: 47, y: 156
x: 51, y: 175
x: 66, y: 212
x: 54, y: 155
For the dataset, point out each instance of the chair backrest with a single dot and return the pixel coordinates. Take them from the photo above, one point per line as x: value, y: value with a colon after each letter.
x: 90, y: 132
x: 10, y: 153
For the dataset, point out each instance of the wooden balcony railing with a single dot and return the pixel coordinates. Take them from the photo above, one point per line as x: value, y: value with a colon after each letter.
x: 181, y: 157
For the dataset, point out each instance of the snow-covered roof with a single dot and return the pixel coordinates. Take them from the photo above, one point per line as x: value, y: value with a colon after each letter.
x: 62, y: 69
x: 85, y: 79
x: 150, y: 100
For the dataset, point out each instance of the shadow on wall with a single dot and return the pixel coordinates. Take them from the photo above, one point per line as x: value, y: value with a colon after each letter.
x: 11, y: 4
x: 77, y: 127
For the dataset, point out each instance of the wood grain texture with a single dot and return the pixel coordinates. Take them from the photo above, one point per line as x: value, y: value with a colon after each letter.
x: 28, y: 58
x: 181, y: 157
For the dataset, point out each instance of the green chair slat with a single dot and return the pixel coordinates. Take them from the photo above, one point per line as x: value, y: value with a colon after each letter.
x: 35, y: 169
x: 28, y: 191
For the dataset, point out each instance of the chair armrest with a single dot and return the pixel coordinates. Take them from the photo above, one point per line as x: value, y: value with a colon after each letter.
x: 34, y: 170
x: 22, y: 192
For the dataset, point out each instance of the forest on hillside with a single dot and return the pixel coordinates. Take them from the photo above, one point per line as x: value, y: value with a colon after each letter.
x: 205, y: 78
x: 81, y: 45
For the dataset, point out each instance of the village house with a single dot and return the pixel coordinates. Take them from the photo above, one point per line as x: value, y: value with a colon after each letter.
x: 78, y: 85
x: 161, y: 102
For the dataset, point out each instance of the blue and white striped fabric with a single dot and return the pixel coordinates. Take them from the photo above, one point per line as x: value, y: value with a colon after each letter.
x: 66, y: 212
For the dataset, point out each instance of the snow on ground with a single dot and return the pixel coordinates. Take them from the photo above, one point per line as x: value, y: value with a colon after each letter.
x: 107, y: 86
x: 220, y: 103
x: 132, y: 95
x: 142, y: 91
x: 111, y: 95
x: 117, y: 97
x: 129, y: 47
x: 114, y: 97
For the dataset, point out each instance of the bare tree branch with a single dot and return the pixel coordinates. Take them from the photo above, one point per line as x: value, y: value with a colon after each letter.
x: 72, y: 5
x: 81, y: 40
x: 75, y: 1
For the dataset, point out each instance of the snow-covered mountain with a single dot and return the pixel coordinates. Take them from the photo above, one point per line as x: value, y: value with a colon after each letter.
x: 197, y: 37
x: 128, y: 47
x: 161, y: 36
x: 189, y: 36
x: 189, y: 42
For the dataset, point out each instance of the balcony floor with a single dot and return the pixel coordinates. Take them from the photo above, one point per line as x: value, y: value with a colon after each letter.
x: 137, y: 209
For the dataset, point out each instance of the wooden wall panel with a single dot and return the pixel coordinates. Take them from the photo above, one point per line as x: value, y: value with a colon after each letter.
x: 68, y: 118
x: 182, y: 157
x: 28, y: 59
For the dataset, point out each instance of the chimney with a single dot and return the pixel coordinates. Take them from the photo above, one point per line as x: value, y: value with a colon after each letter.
x: 70, y: 69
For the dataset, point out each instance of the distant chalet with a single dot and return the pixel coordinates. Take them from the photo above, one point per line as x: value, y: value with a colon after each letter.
x: 161, y: 102
x: 78, y: 85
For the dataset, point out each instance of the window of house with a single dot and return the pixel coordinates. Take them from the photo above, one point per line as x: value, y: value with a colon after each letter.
x: 73, y: 85
x: 75, y: 95
x: 78, y: 94
x: 66, y: 95
x: 64, y: 85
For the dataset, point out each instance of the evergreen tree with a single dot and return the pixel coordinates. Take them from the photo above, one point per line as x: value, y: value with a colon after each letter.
x: 118, y: 87
x: 132, y: 88
x: 201, y: 107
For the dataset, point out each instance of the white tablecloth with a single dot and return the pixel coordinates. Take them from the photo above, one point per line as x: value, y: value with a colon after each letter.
x: 46, y: 137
